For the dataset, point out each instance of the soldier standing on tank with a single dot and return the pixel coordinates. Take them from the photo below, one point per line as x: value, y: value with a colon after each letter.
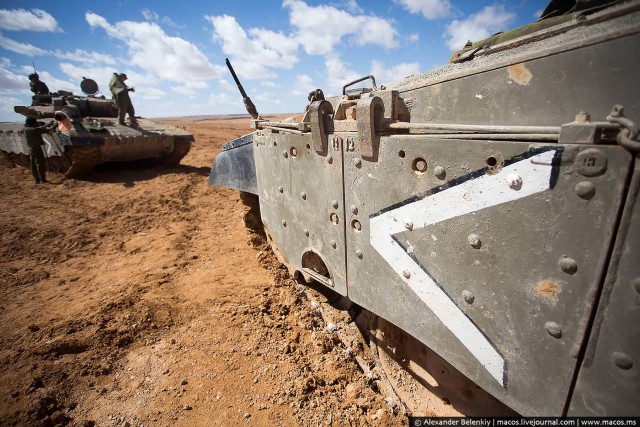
x: 120, y: 93
x: 37, y: 86
x: 34, y: 133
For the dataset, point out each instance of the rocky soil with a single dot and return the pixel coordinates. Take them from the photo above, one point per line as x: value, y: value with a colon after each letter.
x: 138, y: 297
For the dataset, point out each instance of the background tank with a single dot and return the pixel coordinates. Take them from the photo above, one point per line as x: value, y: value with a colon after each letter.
x: 96, y: 136
x: 483, y: 216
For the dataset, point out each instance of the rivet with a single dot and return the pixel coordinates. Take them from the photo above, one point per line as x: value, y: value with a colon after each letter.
x: 356, y: 225
x: 585, y: 189
x: 334, y: 218
x: 280, y: 189
x: 334, y: 203
x: 406, y: 274
x: 329, y: 159
x: 334, y: 244
x: 357, y: 161
x: 568, y: 265
x: 306, y: 232
x: 622, y: 360
x: 285, y: 153
x: 468, y: 297
x: 354, y: 209
x: 359, y: 253
x: 553, y: 329
x: 284, y: 223
x: 439, y: 172
x: 294, y: 151
x: 515, y: 181
x: 474, y: 241
x: 408, y: 224
x: 303, y: 195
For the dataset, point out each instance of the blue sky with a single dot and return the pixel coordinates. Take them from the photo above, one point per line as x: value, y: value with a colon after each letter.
x: 173, y: 52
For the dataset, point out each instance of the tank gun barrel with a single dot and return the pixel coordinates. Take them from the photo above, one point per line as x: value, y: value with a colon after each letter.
x: 251, y: 108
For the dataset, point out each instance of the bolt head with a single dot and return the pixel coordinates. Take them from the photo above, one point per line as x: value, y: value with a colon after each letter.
x: 359, y: 254
x: 553, y: 329
x: 329, y: 159
x: 406, y: 274
x: 285, y: 153
x: 621, y: 360
x: 515, y: 181
x: 280, y: 189
x: 468, y: 296
x: 408, y: 224
x: 284, y: 223
x: 356, y: 225
x: 568, y: 265
x: 306, y: 232
x: 585, y: 190
x: 439, y: 172
x: 354, y: 209
x: 334, y: 204
x: 334, y: 244
x: 358, y: 162
x: 474, y: 240
x: 303, y: 195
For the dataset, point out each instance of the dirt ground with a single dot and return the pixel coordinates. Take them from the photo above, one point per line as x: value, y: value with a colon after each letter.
x: 138, y: 297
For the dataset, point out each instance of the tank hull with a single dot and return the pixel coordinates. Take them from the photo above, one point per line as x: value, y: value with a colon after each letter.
x: 95, y: 141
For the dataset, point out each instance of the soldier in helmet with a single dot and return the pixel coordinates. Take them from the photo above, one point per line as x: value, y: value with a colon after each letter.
x: 37, y: 86
x: 120, y: 93
x: 33, y: 134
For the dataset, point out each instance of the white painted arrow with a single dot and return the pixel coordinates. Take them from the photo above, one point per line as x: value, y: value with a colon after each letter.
x: 516, y: 181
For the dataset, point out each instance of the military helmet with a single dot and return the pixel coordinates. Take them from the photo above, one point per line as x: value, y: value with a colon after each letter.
x: 33, y: 76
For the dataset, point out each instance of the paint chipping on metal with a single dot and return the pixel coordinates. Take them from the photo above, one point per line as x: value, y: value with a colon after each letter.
x: 520, y: 74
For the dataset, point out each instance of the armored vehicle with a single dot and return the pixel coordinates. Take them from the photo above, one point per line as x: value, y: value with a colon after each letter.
x: 95, y: 136
x: 485, y: 213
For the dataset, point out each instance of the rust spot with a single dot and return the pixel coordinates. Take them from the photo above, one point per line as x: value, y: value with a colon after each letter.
x: 520, y: 74
x: 548, y: 288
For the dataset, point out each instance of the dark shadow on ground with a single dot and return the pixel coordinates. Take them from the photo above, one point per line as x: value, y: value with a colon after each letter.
x: 128, y: 173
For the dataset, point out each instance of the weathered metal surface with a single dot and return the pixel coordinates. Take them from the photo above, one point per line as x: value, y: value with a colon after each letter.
x: 448, y: 207
x: 608, y: 382
x: 474, y: 259
x: 234, y: 167
x: 301, y: 200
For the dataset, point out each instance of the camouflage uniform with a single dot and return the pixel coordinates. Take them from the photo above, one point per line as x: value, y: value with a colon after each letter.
x: 36, y: 155
x: 120, y: 93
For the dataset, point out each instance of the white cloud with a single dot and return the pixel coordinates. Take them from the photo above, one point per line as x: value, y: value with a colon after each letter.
x: 189, y: 89
x: 478, y: 26
x: 152, y: 16
x: 224, y: 99
x: 413, y: 38
x: 267, y: 83
x: 150, y: 48
x: 80, y: 55
x: 28, y: 20
x: 253, y: 54
x: 101, y: 74
x: 226, y: 85
x: 150, y: 93
x: 312, y: 24
x: 386, y: 76
x: 338, y: 74
x: 10, y: 81
x: 430, y: 9
x: 21, y: 48
x: 303, y: 85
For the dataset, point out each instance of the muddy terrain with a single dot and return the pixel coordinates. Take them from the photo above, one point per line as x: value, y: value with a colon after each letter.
x: 137, y: 297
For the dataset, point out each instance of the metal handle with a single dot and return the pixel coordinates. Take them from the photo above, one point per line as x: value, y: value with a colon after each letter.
x: 373, y: 81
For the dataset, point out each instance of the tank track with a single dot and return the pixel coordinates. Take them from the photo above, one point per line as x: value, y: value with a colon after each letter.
x: 83, y: 160
x: 180, y: 149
